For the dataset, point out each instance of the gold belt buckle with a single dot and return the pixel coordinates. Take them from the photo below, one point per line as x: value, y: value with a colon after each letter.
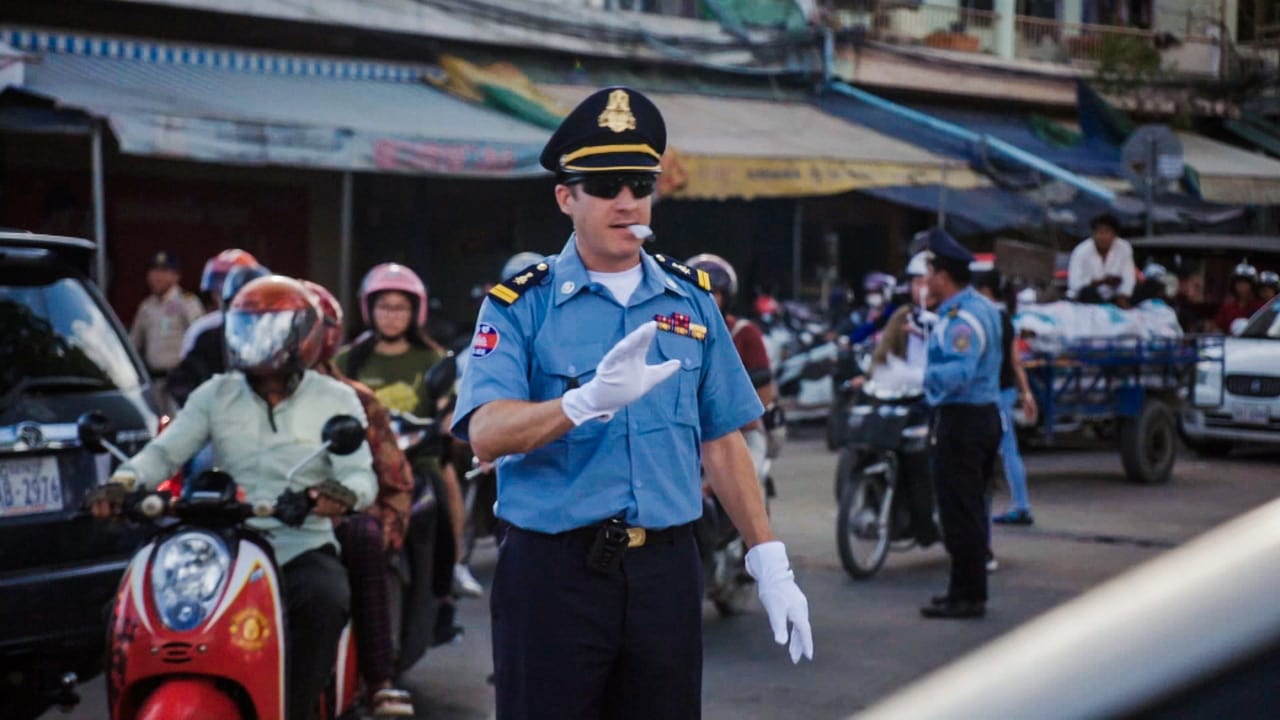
x: 635, y: 537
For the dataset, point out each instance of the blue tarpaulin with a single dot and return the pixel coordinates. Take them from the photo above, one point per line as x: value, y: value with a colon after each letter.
x: 1092, y: 156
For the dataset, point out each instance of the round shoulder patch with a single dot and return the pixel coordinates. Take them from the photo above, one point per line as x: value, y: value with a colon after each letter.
x: 486, y: 340
x: 961, y: 337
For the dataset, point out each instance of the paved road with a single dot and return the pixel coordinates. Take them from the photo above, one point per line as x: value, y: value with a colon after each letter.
x: 1091, y: 525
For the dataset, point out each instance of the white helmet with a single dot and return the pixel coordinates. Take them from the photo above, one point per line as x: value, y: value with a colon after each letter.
x: 919, y: 265
x: 518, y: 262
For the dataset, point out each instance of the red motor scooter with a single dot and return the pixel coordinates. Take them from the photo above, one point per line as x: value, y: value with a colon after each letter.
x: 197, y: 626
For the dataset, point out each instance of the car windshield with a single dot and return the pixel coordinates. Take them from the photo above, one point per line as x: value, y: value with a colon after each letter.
x: 53, y: 333
x: 1265, y: 323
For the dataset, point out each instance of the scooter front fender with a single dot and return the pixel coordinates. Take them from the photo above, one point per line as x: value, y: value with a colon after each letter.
x: 188, y: 699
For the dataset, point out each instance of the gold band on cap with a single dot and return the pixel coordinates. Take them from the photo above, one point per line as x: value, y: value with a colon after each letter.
x: 605, y: 150
x: 656, y: 170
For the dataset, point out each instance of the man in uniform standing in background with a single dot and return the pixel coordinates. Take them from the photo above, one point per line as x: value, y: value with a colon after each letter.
x: 161, y: 322
x: 602, y: 380
x: 962, y: 385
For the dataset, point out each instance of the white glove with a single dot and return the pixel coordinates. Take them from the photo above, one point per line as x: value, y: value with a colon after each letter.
x: 622, y: 377
x: 925, y: 320
x: 781, y: 597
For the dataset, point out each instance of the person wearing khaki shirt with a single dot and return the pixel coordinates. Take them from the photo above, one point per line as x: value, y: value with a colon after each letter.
x: 162, y: 320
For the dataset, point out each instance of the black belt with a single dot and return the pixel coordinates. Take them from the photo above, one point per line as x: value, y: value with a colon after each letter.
x: 636, y: 537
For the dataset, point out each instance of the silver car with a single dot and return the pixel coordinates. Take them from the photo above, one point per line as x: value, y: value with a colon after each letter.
x: 1236, y: 398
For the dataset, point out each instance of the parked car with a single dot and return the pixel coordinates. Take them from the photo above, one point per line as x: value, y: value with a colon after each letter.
x: 1236, y: 398
x: 62, y: 353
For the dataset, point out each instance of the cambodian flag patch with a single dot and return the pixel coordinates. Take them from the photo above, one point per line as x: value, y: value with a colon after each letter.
x: 486, y: 340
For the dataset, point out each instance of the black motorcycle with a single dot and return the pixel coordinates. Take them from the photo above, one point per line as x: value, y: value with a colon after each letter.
x: 883, y: 483
x: 418, y: 569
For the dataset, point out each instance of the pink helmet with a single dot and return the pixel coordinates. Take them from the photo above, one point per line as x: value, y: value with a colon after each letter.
x: 392, y: 276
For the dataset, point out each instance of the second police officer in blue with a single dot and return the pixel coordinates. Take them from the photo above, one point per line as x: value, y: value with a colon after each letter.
x: 962, y: 385
x: 602, y: 380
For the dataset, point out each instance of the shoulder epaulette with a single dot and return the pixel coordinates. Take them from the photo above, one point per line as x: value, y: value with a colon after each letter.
x: 684, y: 272
x: 508, y: 291
x: 954, y: 311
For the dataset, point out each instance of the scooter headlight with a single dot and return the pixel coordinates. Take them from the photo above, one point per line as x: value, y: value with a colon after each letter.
x: 187, y: 577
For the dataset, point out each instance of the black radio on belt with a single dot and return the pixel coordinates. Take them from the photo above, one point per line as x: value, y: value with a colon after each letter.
x: 609, y: 546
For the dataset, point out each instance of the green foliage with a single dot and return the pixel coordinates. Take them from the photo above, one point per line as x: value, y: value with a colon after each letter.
x: 1128, y: 57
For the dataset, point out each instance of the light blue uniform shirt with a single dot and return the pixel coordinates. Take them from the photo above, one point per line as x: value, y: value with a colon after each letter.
x: 645, y: 462
x: 964, y: 352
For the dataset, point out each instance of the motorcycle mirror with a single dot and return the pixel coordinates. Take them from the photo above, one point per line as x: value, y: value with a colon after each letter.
x: 441, y: 378
x: 342, y: 434
x: 94, y: 430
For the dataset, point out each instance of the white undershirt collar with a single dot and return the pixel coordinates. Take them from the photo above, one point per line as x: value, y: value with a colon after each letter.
x: 622, y: 284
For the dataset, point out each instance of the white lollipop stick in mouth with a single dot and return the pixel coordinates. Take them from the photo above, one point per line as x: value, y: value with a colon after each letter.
x: 642, y: 232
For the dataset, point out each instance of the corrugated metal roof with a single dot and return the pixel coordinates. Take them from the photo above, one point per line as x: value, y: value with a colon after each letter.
x: 105, y: 86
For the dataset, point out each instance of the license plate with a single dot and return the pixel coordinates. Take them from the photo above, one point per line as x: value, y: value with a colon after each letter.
x: 30, y: 485
x: 1251, y: 413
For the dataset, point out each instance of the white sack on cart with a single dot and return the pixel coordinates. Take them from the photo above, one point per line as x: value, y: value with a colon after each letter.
x: 1054, y: 326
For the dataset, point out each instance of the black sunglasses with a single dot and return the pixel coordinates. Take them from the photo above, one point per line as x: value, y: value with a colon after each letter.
x: 608, y: 186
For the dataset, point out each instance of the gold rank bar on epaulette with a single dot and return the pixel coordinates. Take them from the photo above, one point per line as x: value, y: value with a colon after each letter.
x: 698, y: 277
x: 508, y: 291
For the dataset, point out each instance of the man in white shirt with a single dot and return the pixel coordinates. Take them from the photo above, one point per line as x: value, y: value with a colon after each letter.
x: 1101, y: 268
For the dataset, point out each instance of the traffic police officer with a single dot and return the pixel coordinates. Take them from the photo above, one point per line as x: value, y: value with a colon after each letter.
x: 162, y: 321
x: 962, y: 384
x: 602, y: 379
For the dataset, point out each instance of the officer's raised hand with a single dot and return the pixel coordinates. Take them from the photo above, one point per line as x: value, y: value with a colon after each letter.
x: 622, y: 377
x: 781, y: 597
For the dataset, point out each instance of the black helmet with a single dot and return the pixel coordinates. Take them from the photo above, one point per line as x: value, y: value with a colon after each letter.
x: 723, y: 277
x: 237, y: 278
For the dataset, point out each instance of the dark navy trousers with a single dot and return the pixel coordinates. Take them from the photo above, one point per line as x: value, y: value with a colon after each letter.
x: 570, y: 643
x: 965, y: 444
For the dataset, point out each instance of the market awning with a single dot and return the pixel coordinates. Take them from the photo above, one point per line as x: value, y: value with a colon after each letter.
x: 733, y: 147
x: 1230, y: 174
x: 245, y: 107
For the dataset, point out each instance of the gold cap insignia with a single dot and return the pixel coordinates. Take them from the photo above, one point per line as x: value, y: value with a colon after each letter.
x: 617, y: 114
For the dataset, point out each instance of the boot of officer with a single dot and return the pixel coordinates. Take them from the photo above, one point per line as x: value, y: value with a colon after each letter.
x: 263, y: 417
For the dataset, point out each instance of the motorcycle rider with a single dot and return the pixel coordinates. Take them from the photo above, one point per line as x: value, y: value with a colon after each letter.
x: 207, y: 355
x: 905, y: 334
x: 263, y: 417
x: 211, y: 279
x: 749, y: 342
x: 1242, y: 302
x: 380, y: 528
x: 1268, y: 285
x: 393, y: 361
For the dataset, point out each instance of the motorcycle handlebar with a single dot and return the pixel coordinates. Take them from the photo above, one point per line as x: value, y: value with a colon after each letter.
x: 409, y: 421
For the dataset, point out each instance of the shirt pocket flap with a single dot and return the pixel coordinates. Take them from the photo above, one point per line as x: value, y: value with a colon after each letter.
x: 684, y: 348
x: 569, y: 361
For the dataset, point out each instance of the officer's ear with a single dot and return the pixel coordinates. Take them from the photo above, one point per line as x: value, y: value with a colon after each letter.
x: 565, y: 195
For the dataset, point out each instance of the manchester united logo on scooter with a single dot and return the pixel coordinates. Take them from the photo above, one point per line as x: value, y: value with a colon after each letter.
x: 250, y: 629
